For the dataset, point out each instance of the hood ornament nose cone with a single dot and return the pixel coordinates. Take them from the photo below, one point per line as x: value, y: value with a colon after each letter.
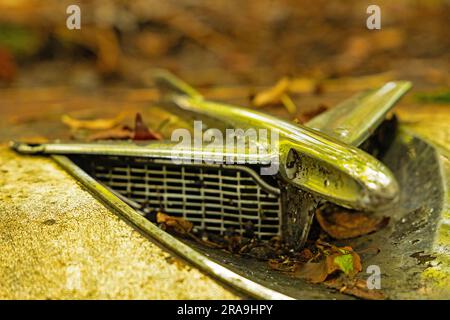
x: 329, y: 164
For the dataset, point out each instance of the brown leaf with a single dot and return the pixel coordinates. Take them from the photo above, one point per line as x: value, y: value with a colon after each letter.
x: 306, y: 254
x: 336, y: 268
x: 120, y: 133
x: 284, y: 265
x: 346, y: 224
x: 96, y: 124
x: 314, y: 272
x: 179, y: 225
x: 303, y: 85
x: 328, y: 261
x: 141, y: 131
x: 341, y: 260
x: 273, y: 94
x: 354, y: 287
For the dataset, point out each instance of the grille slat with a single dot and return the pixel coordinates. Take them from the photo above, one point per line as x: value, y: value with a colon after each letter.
x: 127, y: 177
x: 213, y: 198
x: 124, y: 181
x: 139, y: 190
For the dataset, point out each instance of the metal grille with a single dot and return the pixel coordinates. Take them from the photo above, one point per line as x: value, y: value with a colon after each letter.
x: 213, y: 198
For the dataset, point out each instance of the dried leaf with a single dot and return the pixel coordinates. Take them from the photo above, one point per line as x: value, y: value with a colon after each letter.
x: 314, y: 272
x: 288, y: 104
x: 336, y: 268
x: 285, y: 265
x: 306, y: 254
x: 346, y: 224
x: 335, y: 260
x: 273, y: 94
x: 303, y: 85
x: 96, y: 124
x: 141, y: 131
x: 354, y: 287
x: 120, y: 133
x: 176, y: 224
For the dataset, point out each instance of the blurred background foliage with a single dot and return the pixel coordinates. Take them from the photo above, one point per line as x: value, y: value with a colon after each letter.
x: 253, y: 42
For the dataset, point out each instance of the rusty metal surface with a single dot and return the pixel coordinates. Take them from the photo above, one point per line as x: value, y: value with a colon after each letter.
x: 431, y: 123
x: 58, y: 242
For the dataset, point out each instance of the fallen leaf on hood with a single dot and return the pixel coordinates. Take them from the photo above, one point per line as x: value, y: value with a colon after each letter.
x: 288, y: 104
x: 334, y: 267
x: 355, y: 287
x: 303, y: 85
x: 284, y: 265
x: 176, y: 224
x: 316, y: 267
x: 273, y: 94
x: 335, y: 260
x: 346, y: 224
x: 120, y: 133
x: 96, y: 124
x: 142, y: 132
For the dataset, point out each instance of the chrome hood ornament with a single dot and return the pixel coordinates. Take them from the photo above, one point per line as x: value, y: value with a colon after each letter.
x: 318, y: 161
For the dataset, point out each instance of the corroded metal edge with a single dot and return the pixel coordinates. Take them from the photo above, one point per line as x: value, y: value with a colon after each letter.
x: 437, y: 276
x: 219, y: 272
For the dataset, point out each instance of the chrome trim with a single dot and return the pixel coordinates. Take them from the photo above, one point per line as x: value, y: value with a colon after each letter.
x: 355, y: 119
x: 194, y: 257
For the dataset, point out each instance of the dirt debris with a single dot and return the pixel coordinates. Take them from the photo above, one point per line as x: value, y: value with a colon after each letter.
x: 179, y: 225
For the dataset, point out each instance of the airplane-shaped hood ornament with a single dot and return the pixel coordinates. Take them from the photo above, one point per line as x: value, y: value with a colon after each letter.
x: 317, y: 161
